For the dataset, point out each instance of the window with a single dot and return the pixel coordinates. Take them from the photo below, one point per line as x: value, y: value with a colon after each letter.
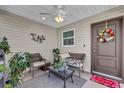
x: 68, y: 38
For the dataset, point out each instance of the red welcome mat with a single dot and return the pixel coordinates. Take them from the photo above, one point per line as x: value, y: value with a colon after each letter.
x: 105, y: 81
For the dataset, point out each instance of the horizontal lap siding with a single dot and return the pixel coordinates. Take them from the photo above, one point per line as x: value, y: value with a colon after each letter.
x: 18, y: 30
x: 83, y: 33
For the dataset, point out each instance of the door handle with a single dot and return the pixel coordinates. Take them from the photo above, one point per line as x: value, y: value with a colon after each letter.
x: 94, y: 50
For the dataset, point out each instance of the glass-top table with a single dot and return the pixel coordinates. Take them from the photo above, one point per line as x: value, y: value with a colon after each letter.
x: 64, y: 75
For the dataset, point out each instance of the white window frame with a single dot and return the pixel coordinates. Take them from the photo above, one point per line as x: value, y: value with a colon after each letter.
x: 68, y: 38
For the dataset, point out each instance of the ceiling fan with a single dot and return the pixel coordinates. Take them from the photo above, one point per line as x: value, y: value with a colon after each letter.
x: 58, y: 15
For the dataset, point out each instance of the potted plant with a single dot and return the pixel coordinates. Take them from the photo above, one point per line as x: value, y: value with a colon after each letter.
x: 5, y: 48
x: 4, y: 45
x: 60, y: 66
x: 56, y: 53
x: 17, y: 64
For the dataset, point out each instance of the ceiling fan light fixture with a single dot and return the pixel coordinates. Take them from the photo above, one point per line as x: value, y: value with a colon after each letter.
x: 59, y: 19
x: 58, y: 15
x: 43, y: 18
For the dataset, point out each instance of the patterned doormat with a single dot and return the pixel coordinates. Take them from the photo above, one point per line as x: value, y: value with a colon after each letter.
x: 105, y: 81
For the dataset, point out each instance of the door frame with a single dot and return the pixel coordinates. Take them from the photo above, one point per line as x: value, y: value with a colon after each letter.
x: 122, y: 44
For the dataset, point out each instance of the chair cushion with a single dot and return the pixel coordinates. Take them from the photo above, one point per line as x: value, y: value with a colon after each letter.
x: 75, y: 65
x: 74, y: 62
x: 40, y: 63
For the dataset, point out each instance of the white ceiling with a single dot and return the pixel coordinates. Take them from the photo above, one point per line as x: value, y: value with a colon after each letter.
x: 74, y: 12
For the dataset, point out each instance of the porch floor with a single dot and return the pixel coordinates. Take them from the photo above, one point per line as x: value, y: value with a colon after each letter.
x: 88, y: 84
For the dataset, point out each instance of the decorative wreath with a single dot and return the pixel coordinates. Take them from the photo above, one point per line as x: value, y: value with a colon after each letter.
x: 106, y: 35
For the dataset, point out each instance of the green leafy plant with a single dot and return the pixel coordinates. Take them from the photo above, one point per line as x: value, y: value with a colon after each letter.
x: 56, y: 53
x: 8, y: 85
x: 4, y: 45
x: 18, y: 63
x: 2, y: 68
x: 58, y: 64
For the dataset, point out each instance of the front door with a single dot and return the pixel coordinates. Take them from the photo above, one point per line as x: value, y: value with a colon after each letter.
x: 106, y: 56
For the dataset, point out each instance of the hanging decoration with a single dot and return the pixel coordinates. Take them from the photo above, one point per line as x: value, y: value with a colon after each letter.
x: 106, y: 34
x: 38, y: 38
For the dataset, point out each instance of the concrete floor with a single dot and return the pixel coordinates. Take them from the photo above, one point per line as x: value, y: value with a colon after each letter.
x: 88, y: 84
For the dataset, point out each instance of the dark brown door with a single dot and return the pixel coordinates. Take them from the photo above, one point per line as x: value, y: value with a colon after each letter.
x: 106, y: 57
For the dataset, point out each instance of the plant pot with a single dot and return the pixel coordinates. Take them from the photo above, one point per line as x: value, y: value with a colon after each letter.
x: 1, y: 82
x: 1, y: 75
x: 61, y: 68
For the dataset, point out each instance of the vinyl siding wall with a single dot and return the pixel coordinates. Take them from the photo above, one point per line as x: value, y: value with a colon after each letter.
x: 18, y: 29
x: 83, y: 34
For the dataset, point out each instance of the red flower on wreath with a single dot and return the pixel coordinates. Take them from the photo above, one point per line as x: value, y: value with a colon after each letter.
x: 109, y: 32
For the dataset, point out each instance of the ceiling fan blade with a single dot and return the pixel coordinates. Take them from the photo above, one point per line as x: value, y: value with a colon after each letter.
x: 45, y: 14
